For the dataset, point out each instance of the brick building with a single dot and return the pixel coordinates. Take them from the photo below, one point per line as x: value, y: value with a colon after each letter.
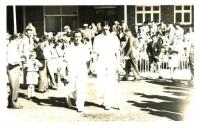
x: 53, y: 18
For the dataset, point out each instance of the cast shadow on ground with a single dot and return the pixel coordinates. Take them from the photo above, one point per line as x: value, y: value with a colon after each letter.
x: 178, y: 89
x: 178, y: 93
x: 87, y: 103
x: 51, y: 101
x: 57, y: 102
x: 165, y: 82
x: 173, y: 116
x: 22, y: 95
x: 172, y: 108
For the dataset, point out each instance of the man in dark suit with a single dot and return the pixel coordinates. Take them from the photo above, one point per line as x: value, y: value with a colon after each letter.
x: 43, y: 80
x: 153, y: 51
x: 130, y: 51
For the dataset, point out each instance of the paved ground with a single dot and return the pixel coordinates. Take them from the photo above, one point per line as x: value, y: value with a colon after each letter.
x: 145, y: 100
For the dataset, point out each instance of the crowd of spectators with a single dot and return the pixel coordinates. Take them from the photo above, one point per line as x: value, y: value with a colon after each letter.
x: 156, y: 42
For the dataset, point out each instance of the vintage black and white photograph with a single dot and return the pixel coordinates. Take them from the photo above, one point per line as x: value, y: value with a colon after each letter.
x: 124, y: 62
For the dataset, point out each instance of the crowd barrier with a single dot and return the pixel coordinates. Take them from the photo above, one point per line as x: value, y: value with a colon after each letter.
x: 181, y: 72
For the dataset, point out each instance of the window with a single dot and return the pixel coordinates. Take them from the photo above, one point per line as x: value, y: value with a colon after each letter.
x: 178, y: 17
x: 52, y: 10
x: 183, y: 14
x: 53, y: 23
x: 148, y: 17
x: 56, y: 17
x: 147, y: 13
x: 70, y: 10
x: 148, y: 8
x: 140, y: 8
x: 139, y: 18
x: 156, y: 16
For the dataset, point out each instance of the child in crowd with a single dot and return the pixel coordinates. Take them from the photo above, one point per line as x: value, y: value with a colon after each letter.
x: 174, y: 59
x: 32, y: 74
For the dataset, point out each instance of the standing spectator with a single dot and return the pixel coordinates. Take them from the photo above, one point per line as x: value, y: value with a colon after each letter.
x: 77, y: 56
x: 87, y: 35
x: 165, y: 40
x: 178, y: 38
x: 142, y: 55
x: 162, y: 28
x: 107, y: 50
x: 61, y: 66
x: 32, y: 74
x: 52, y: 57
x: 13, y: 70
x: 173, y: 58
x: 130, y: 51
x: 144, y: 29
x: 99, y: 28
x: 191, y: 42
x: 27, y: 45
x: 188, y: 37
x: 153, y: 28
x: 93, y: 30
x: 191, y: 62
x: 43, y: 80
x: 68, y: 31
x: 116, y: 28
x: 123, y: 28
x: 30, y: 26
x: 178, y: 34
x: 153, y: 50
x: 171, y: 31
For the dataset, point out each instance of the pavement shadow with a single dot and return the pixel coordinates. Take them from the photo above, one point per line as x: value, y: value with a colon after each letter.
x: 165, y: 82
x: 22, y: 95
x: 175, y: 88
x: 172, y: 108
x: 173, y: 116
x: 52, y: 101
x: 178, y: 93
x: 61, y: 102
x: 178, y: 88
x: 87, y: 103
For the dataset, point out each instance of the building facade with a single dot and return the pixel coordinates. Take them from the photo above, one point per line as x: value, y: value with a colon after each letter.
x: 54, y: 18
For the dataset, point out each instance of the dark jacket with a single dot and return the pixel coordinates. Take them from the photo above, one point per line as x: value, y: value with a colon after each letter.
x: 153, y: 49
x: 40, y: 56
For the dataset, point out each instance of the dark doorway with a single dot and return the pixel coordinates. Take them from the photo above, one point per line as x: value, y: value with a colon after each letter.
x: 108, y: 13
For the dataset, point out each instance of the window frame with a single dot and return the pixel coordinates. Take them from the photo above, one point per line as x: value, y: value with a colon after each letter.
x: 143, y: 12
x: 59, y: 15
x: 183, y: 11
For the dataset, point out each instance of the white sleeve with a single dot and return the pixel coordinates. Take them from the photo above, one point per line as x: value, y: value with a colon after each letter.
x: 95, y: 45
x: 38, y: 63
x: 46, y: 53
